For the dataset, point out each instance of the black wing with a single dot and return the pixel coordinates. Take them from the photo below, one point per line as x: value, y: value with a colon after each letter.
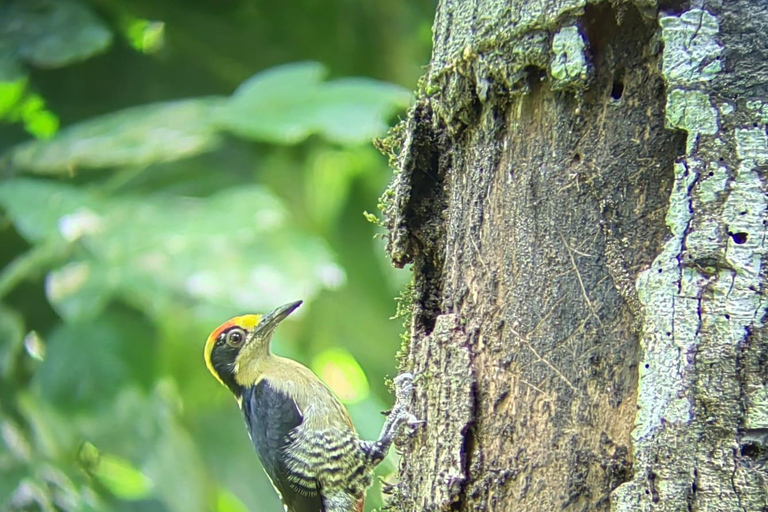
x: 270, y: 415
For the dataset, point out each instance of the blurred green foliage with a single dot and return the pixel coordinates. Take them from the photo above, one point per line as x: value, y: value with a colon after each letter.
x: 167, y: 165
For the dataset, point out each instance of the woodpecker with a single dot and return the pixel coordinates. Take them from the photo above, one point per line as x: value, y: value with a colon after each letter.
x: 302, y: 433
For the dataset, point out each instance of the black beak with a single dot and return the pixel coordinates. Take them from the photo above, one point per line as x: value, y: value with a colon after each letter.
x: 271, y: 319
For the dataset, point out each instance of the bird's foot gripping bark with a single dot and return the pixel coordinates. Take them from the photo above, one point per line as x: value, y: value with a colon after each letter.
x: 399, y: 415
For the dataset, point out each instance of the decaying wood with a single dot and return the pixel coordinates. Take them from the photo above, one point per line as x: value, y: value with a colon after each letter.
x: 580, y: 190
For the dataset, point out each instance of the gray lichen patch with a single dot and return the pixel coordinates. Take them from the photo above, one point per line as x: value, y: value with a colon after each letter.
x: 693, y: 112
x: 693, y: 315
x: 713, y: 183
x: 569, y: 64
x: 760, y: 108
x: 756, y: 415
x: 752, y: 144
x: 705, y: 240
x: 701, y: 298
x: 669, y: 329
x: 691, y: 59
x: 726, y: 109
x: 744, y: 214
x: 691, y: 51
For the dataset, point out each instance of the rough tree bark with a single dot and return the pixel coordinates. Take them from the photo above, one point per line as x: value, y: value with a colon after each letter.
x: 580, y: 188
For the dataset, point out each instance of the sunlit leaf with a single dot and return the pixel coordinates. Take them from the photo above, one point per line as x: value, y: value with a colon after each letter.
x: 11, y: 93
x: 228, y: 502
x: 122, y: 478
x: 53, y: 33
x: 41, y: 123
x: 34, y: 345
x: 288, y: 103
x: 17, y: 103
x: 136, y: 136
x: 341, y: 371
x: 13, y: 81
x: 145, y: 36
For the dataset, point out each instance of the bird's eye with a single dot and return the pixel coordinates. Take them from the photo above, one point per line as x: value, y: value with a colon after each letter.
x: 235, y: 337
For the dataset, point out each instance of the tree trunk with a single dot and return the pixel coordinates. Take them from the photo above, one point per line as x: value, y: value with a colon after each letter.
x: 580, y: 190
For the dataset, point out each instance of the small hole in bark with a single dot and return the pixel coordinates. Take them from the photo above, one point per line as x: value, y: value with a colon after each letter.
x: 576, y: 159
x: 672, y: 6
x: 727, y: 316
x: 710, y: 174
x: 738, y: 238
x: 534, y: 76
x: 617, y: 90
x: 750, y: 450
x: 660, y: 271
x: 647, y: 366
x: 669, y: 334
x: 743, y: 213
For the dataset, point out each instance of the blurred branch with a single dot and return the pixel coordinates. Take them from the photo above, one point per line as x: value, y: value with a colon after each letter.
x: 120, y: 178
x: 31, y: 263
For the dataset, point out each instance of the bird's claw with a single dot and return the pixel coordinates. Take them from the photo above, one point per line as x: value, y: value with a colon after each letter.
x: 403, y: 384
x: 413, y: 421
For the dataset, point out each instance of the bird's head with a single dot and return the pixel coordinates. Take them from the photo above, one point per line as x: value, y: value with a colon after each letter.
x: 240, y: 342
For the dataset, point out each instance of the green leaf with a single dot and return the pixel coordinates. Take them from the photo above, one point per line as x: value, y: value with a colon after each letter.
x: 79, y: 289
x: 138, y: 136
x: 52, y: 434
x: 84, y: 364
x: 227, y: 253
x: 288, y: 103
x: 11, y: 338
x: 53, y: 33
x: 177, y: 470
x: 329, y: 177
x: 122, y: 479
x: 20, y: 199
x: 10, y: 478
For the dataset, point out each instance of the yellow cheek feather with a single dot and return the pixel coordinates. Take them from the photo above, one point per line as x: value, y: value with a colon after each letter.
x: 246, y: 322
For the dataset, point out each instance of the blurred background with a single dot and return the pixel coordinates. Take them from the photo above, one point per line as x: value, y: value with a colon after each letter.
x: 167, y: 165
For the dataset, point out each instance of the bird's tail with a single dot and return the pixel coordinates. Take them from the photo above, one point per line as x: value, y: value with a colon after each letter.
x: 359, y: 505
